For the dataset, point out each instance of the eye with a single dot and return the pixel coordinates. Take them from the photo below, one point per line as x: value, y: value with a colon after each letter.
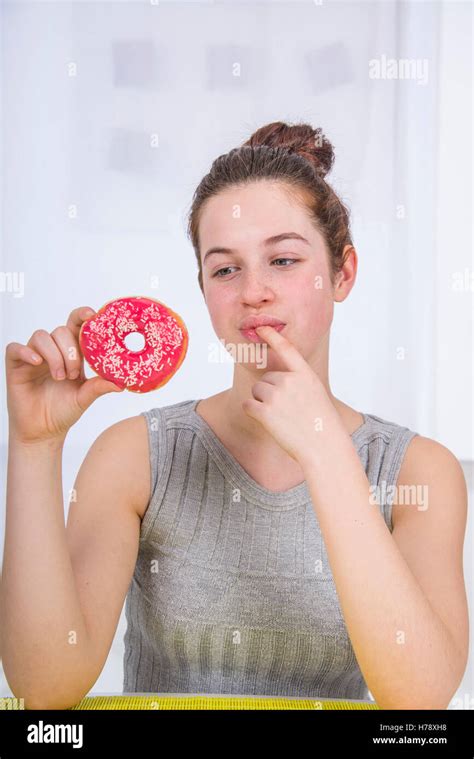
x: 217, y: 273
x: 293, y: 260
x: 226, y: 268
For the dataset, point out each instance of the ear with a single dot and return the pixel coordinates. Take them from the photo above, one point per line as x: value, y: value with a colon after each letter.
x: 346, y: 252
x: 346, y: 276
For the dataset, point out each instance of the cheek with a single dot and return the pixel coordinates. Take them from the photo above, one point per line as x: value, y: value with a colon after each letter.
x: 315, y: 310
x: 219, y: 301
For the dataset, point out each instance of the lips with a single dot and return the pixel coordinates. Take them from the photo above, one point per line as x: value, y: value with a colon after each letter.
x: 250, y: 334
x: 250, y: 322
x: 249, y: 325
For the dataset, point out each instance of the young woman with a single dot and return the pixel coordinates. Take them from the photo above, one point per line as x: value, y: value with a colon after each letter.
x: 262, y: 537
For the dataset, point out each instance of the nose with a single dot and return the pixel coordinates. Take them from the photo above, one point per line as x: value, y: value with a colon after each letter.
x: 255, y: 288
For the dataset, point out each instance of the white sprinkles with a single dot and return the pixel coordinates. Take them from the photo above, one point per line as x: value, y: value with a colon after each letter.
x: 107, y: 354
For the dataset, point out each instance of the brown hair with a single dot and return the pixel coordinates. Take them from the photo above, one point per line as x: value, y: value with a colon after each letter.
x: 296, y: 155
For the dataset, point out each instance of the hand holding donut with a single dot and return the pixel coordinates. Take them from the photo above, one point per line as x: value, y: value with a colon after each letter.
x: 41, y: 405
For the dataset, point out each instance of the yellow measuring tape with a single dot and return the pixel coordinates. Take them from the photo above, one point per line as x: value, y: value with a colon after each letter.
x: 195, y: 701
x: 161, y: 701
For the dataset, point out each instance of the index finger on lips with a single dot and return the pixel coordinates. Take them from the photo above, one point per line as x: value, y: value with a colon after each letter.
x: 289, y: 354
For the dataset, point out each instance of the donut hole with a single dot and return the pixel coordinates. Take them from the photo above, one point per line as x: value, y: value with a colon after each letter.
x: 134, y: 341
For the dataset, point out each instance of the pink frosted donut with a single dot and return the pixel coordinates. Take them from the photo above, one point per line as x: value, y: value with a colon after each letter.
x: 166, y: 342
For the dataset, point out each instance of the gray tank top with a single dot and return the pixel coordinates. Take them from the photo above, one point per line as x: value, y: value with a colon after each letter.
x: 232, y: 591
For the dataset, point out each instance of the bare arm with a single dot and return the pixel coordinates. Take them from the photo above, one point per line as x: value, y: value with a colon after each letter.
x: 103, y: 528
x: 64, y: 587
x: 51, y: 657
x: 39, y: 600
x: 405, y: 610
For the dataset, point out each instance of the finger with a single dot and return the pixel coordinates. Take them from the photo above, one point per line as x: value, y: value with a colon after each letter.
x: 262, y: 391
x: 93, y: 388
x: 77, y: 317
x: 290, y: 355
x: 273, y: 378
x: 253, y: 408
x: 16, y: 353
x: 69, y: 347
x: 43, y: 344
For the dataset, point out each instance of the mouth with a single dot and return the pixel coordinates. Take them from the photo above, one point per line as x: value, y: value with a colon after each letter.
x: 251, y: 334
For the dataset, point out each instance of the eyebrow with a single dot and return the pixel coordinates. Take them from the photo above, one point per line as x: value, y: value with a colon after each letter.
x: 271, y: 241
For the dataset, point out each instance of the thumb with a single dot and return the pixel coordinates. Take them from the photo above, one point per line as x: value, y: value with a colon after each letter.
x: 93, y: 388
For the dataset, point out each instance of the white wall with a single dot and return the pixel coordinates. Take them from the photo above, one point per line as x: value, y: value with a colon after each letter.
x: 401, y: 345
x: 453, y: 316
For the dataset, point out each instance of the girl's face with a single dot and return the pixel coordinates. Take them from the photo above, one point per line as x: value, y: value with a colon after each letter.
x: 287, y: 278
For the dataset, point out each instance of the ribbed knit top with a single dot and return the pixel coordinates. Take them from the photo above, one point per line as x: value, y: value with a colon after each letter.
x: 232, y: 591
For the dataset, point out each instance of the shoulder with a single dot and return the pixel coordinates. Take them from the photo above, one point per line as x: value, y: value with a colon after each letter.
x: 126, y: 432
x: 126, y: 437
x: 429, y: 453
x: 429, y: 483
x: 124, y: 448
x: 433, y: 470
x: 419, y: 465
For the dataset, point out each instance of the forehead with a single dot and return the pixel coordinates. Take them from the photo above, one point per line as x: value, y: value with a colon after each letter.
x: 248, y: 215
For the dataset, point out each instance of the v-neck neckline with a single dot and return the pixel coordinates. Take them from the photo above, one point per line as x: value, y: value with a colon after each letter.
x: 281, y: 500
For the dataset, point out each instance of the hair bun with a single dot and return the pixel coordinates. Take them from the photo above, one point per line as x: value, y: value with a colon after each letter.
x: 298, y: 138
